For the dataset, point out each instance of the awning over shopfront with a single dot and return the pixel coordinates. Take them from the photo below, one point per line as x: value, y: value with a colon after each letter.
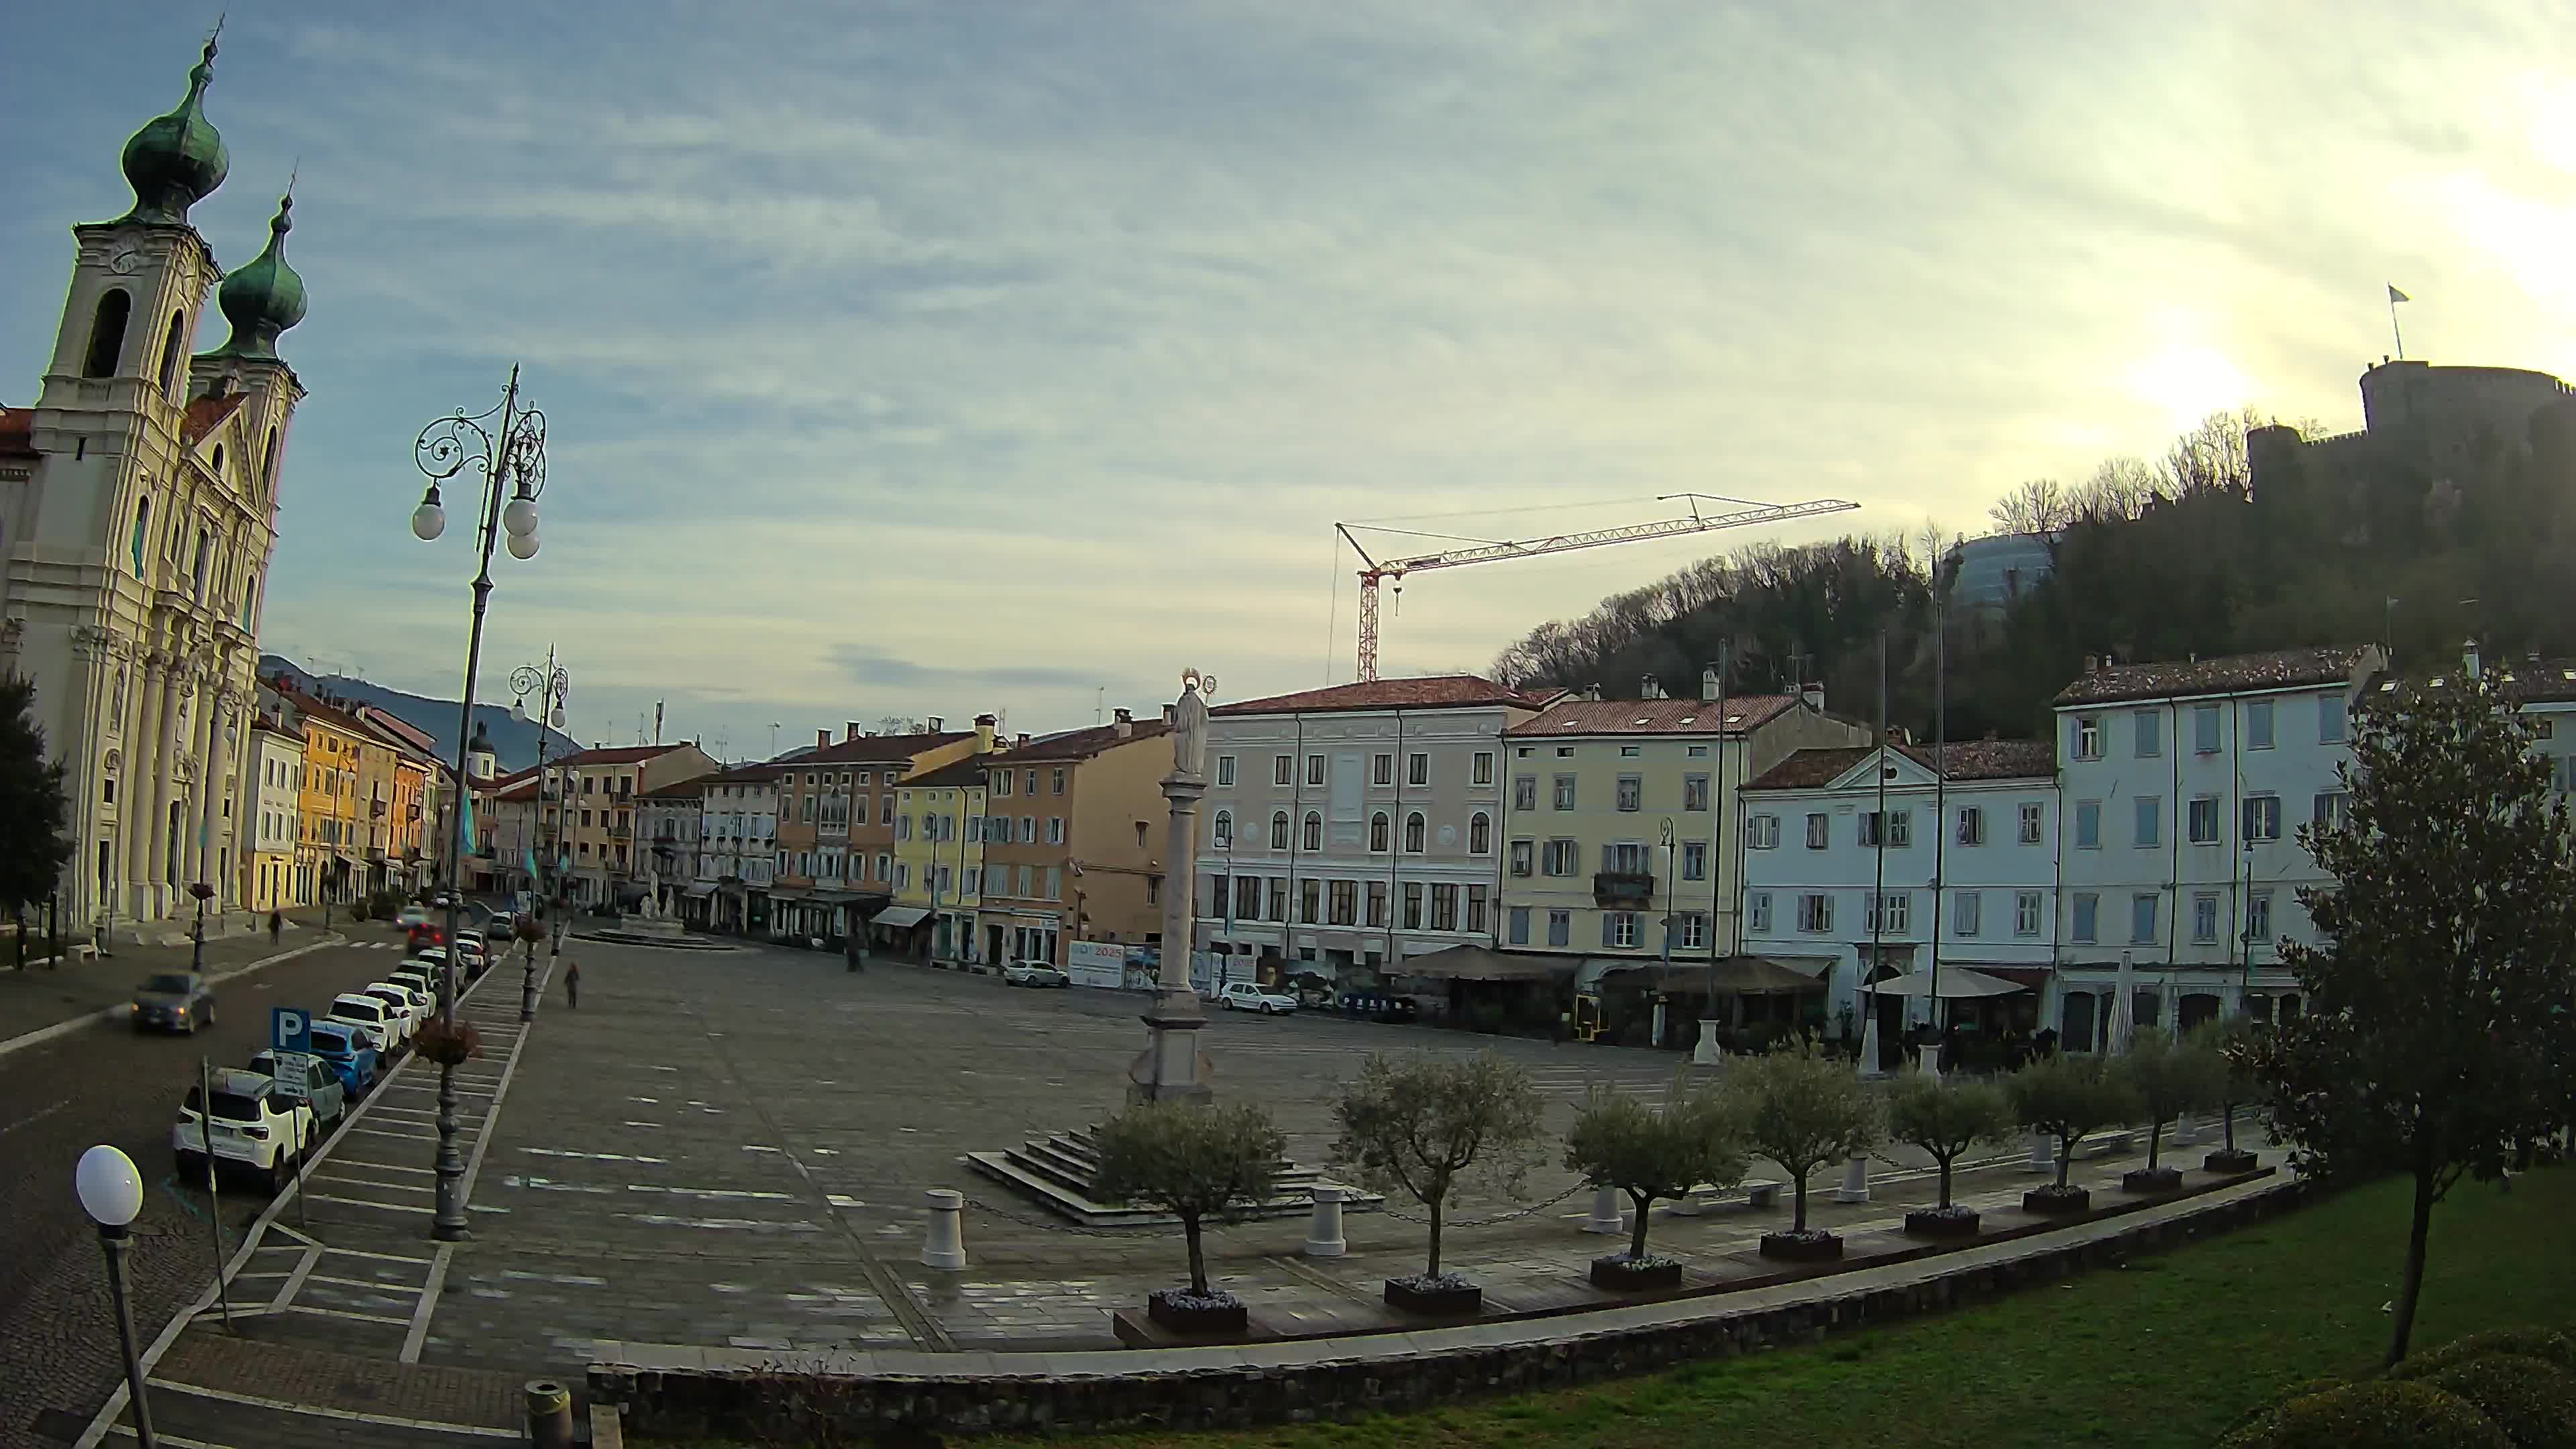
x: 900, y: 916
x: 700, y: 889
x: 1734, y: 975
x: 1475, y: 963
x: 1957, y: 983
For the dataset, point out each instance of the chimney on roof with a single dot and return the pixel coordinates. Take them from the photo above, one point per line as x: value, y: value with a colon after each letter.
x: 1708, y: 685
x: 1593, y: 693
x: 1896, y: 736
x: 1022, y: 742
x: 849, y: 731
x: 2092, y: 663
x: 1650, y: 688
x: 822, y: 738
x: 1124, y: 721
x: 2469, y: 656
x: 1814, y: 695
x: 933, y: 725
x: 984, y: 725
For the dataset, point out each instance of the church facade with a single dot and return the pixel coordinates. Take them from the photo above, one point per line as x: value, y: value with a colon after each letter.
x: 138, y: 508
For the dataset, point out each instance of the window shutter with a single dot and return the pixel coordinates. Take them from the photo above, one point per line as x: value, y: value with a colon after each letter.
x: 1606, y: 935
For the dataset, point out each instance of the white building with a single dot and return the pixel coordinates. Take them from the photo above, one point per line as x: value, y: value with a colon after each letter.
x: 272, y: 784
x: 2184, y: 787
x: 137, y: 500
x: 737, y: 848
x: 1960, y: 870
x: 1349, y: 827
x: 667, y: 823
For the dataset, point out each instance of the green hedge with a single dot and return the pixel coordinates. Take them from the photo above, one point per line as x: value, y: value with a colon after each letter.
x: 2378, y: 1414
x: 2532, y: 1400
x: 2547, y: 1344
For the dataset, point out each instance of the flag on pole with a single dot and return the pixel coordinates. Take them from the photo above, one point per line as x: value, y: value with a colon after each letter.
x: 2395, y: 296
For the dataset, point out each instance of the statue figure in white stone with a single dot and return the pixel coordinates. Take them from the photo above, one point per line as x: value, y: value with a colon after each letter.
x: 1189, y: 724
x: 652, y: 907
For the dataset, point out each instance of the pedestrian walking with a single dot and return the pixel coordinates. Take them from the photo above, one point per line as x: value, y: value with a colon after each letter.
x: 853, y: 955
x: 572, y: 984
x: 276, y: 927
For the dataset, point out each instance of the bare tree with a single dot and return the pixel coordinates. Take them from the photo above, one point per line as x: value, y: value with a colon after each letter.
x: 2039, y: 506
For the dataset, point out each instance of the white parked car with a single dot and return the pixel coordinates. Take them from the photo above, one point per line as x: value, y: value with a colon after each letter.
x: 252, y: 1125
x: 373, y: 1016
x: 1034, y: 973
x: 1252, y: 996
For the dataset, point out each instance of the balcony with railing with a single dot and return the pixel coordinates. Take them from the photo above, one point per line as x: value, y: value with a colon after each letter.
x: 1623, y: 890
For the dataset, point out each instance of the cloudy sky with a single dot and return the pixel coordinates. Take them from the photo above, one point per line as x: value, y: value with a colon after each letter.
x: 932, y: 358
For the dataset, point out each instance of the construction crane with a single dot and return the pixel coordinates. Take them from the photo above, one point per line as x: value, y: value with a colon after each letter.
x: 1698, y: 522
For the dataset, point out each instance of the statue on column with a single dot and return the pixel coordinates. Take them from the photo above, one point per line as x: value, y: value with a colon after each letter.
x: 1189, y: 724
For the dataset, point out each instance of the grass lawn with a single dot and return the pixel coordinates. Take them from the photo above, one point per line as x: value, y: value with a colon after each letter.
x: 2163, y: 1351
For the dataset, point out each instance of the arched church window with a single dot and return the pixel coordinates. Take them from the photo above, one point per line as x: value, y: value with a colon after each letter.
x: 142, y: 525
x: 219, y: 460
x: 107, y: 333
x: 268, y: 460
x: 197, y: 570
x: 170, y: 357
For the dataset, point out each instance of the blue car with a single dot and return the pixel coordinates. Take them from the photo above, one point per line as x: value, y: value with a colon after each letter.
x: 348, y: 1055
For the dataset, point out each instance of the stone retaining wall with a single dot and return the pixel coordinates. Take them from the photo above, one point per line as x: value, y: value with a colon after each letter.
x: 683, y: 1393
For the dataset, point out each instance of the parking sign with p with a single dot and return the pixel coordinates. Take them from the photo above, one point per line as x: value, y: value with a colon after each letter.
x: 289, y: 1029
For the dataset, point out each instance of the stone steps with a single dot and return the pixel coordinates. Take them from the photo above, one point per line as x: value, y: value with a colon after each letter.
x: 1058, y: 1170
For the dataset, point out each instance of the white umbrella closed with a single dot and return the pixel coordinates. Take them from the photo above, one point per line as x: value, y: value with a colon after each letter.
x: 2121, y: 1025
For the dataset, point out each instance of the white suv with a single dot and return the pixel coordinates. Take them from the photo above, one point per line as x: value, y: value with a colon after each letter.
x: 1252, y: 996
x: 374, y: 1016
x: 252, y: 1125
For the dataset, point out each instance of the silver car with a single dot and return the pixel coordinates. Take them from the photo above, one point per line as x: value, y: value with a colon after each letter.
x: 173, y: 1001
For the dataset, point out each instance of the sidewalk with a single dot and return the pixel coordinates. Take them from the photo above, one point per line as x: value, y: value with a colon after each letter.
x: 47, y: 996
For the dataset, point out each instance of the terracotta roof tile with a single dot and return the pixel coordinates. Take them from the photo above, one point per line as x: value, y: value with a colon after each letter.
x: 205, y: 414
x: 2279, y: 669
x: 1968, y: 760
x: 1655, y: 716
x: 756, y: 774
x: 1077, y: 744
x: 966, y: 772
x: 617, y: 755
x: 2525, y: 681
x: 17, y: 432
x: 872, y: 749
x: 1433, y: 691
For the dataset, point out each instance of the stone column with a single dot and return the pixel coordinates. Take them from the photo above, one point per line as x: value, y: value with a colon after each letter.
x: 1324, y: 1232
x: 211, y: 793
x: 177, y: 689
x: 1855, y: 1186
x: 1172, y: 1066
x: 945, y: 1246
x: 134, y: 779
x: 1606, y: 1217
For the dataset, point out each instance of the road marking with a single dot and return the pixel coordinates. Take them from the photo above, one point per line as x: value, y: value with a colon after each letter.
x: 380, y: 1257
x: 418, y: 1333
x: 376, y: 1284
x: 365, y: 1202
x: 320, y: 1411
x: 294, y: 1280
x: 386, y: 1166
x: 318, y: 1312
x: 173, y: 1440
x: 38, y: 1115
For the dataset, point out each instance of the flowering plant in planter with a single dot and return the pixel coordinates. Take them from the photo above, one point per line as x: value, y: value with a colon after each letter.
x: 448, y: 1043
x: 1650, y: 1153
x: 1803, y: 1108
x: 1194, y: 1162
x: 1423, y: 1124
x: 1946, y: 1117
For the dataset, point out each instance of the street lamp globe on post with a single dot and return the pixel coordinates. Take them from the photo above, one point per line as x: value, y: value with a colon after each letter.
x: 550, y: 685
x: 506, y: 446
x: 111, y: 1192
x: 197, y: 949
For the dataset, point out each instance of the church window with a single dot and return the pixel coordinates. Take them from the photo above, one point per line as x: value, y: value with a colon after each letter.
x: 107, y: 333
x: 142, y: 523
x: 219, y: 460
x: 268, y: 459
x: 170, y: 356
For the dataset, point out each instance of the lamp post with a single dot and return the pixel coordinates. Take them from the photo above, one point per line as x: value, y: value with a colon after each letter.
x: 196, y: 948
x: 511, y: 457
x: 111, y: 1192
x: 550, y: 685
x: 1663, y: 862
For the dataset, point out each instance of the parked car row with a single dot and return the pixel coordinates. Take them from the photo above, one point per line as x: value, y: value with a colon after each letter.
x: 266, y: 1117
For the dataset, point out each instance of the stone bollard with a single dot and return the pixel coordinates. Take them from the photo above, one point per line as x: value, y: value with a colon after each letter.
x: 549, y: 1414
x: 2186, y: 1131
x: 1324, y: 1233
x: 1932, y: 1060
x: 1706, y: 1052
x: 1606, y: 1217
x: 1689, y: 1204
x: 2043, y: 1153
x: 1855, y: 1186
x: 945, y: 1248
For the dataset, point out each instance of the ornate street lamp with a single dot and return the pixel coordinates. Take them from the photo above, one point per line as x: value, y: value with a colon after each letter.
x: 550, y: 685
x: 510, y: 455
x: 197, y: 947
x: 111, y: 1192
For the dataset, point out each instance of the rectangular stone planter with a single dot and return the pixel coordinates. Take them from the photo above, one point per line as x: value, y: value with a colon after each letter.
x: 2225, y: 1160
x: 1163, y: 1307
x: 2151, y: 1179
x: 2054, y: 1202
x: 1404, y: 1297
x: 1621, y: 1276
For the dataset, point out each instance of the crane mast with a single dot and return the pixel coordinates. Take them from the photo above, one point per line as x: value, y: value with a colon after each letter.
x: 1374, y: 572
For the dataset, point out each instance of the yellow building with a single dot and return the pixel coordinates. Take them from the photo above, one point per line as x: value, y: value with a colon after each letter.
x: 1623, y: 813
x: 330, y: 847
x: 939, y: 855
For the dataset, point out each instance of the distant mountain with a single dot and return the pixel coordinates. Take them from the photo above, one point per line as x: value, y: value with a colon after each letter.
x: 514, y: 740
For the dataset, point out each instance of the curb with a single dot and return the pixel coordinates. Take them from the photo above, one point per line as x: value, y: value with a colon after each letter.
x: 44, y: 1034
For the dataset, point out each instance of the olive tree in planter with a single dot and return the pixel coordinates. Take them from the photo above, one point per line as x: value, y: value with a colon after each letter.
x: 2067, y: 1097
x: 1802, y: 1109
x: 2231, y: 1042
x: 1946, y: 1117
x: 1418, y: 1126
x: 1651, y: 1153
x: 1194, y: 1162
x: 2166, y: 1078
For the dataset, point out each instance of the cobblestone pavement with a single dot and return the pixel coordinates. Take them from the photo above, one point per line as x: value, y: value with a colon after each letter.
x: 103, y: 1083
x: 731, y: 1150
